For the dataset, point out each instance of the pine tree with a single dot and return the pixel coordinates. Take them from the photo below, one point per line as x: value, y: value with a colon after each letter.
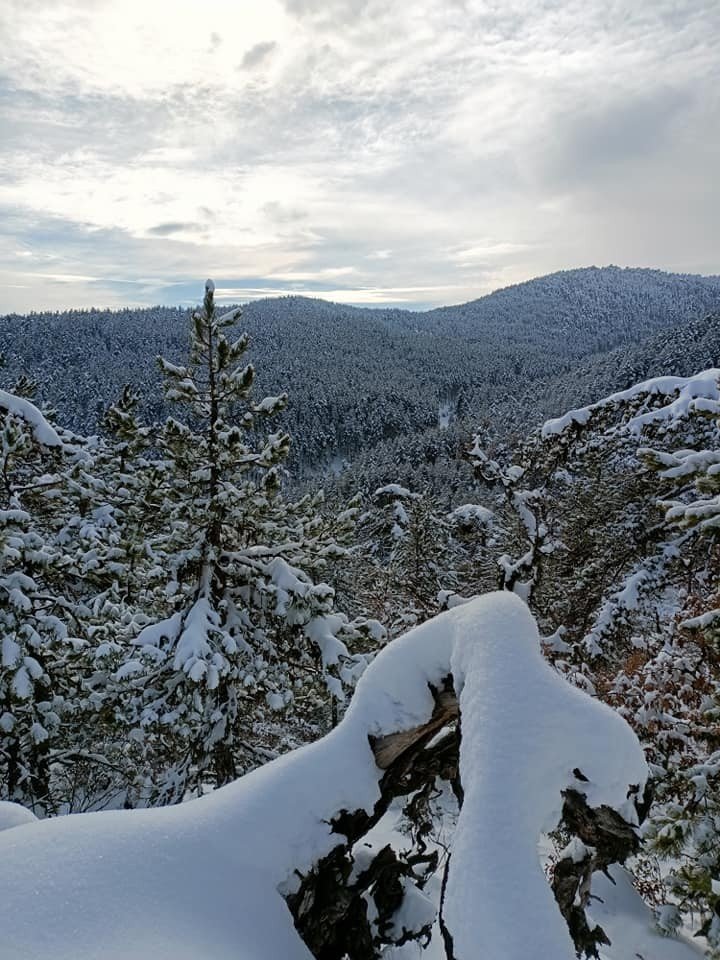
x: 681, y: 690
x: 405, y: 558
x: 109, y: 563
x: 39, y: 627
x: 238, y: 632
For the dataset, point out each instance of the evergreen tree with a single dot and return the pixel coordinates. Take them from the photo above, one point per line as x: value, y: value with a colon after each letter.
x: 238, y: 632
x: 39, y: 627
x: 405, y: 558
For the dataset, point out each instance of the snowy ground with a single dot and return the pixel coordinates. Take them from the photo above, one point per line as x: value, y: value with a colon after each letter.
x: 200, y: 881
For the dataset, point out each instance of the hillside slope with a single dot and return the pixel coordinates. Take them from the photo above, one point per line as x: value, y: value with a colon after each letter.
x: 358, y: 377
x: 680, y: 350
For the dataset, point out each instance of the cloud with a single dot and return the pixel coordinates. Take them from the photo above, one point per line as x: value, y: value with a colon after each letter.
x: 486, y: 249
x: 435, y: 150
x: 280, y: 213
x: 257, y: 54
x: 604, y: 139
x: 167, y: 229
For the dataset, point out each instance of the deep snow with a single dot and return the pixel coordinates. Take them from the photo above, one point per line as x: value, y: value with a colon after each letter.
x: 200, y: 881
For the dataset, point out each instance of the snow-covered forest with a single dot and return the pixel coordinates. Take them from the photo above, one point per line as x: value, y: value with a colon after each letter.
x: 359, y: 377
x: 407, y: 646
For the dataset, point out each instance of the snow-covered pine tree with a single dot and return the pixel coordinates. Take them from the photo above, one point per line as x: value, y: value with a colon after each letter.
x: 670, y: 693
x: 40, y: 632
x: 131, y: 475
x: 423, y: 557
x: 108, y: 560
x: 238, y: 632
x: 577, y: 532
x: 66, y: 564
x: 404, y: 558
x: 525, y: 505
x: 654, y: 638
x: 680, y: 685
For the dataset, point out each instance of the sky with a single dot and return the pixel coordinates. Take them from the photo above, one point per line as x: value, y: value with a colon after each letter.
x: 365, y: 151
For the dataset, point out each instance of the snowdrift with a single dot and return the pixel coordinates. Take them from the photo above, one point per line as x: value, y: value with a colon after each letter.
x: 204, y: 880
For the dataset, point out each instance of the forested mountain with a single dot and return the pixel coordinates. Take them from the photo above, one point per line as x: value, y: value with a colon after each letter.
x: 576, y: 312
x: 435, y: 458
x: 359, y: 377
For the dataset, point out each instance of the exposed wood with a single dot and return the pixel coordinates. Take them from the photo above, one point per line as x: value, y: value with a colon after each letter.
x: 330, y: 908
x: 610, y: 839
x: 387, y: 749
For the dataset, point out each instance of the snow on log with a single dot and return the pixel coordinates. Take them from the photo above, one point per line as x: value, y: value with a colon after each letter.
x: 208, y: 879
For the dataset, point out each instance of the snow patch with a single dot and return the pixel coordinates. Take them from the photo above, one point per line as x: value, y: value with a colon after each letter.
x: 13, y: 815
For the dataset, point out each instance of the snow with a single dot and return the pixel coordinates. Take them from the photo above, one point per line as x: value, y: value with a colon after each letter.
x: 524, y: 723
x: 705, y: 620
x: 231, y: 315
x: 269, y: 404
x: 154, y: 634
x: 44, y: 434
x: 416, y: 911
x: 173, y: 369
x: 323, y: 632
x: 200, y: 881
x: 630, y: 925
x: 627, y: 598
x: 699, y: 393
x: 469, y: 514
x: 447, y: 599
x: 445, y: 412
x: 575, y: 851
x: 393, y: 490
x: 13, y: 815
x: 336, y: 465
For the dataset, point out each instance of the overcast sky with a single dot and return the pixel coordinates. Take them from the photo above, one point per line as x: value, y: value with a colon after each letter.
x: 366, y: 151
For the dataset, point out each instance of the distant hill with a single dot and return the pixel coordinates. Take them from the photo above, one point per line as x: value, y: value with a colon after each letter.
x: 598, y: 307
x: 358, y: 377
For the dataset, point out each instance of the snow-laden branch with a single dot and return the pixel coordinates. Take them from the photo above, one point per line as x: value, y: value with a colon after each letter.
x: 207, y: 879
x: 22, y: 408
x: 661, y: 399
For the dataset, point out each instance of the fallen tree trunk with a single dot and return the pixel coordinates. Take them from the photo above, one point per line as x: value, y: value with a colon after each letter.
x: 505, y: 733
x: 331, y: 907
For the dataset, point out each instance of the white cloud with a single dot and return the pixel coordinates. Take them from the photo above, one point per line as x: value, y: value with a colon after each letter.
x: 132, y: 47
x: 421, y: 152
x: 486, y: 249
x: 372, y: 296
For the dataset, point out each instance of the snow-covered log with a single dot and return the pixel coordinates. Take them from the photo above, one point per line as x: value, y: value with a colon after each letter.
x: 212, y: 878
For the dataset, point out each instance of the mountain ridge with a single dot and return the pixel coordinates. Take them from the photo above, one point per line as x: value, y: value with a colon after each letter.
x: 358, y: 376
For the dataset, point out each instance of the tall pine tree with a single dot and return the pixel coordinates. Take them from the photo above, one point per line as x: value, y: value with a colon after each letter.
x: 239, y: 632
